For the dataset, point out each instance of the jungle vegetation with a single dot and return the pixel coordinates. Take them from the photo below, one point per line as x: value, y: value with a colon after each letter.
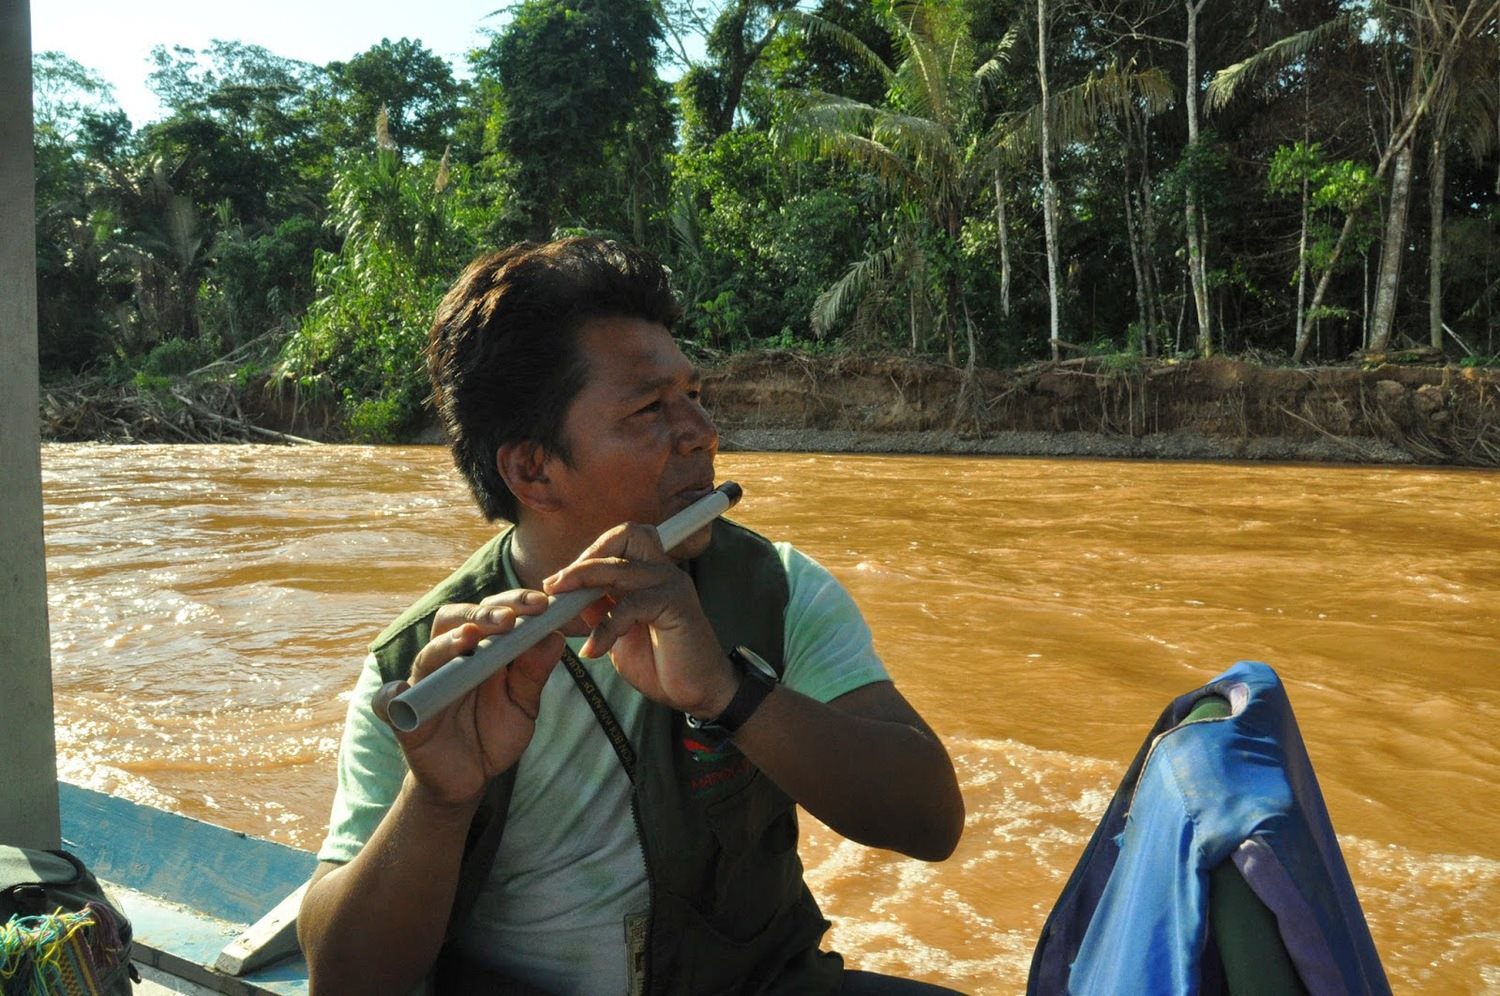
x: 979, y: 182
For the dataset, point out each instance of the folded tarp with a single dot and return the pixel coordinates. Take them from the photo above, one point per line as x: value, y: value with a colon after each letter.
x: 1134, y: 915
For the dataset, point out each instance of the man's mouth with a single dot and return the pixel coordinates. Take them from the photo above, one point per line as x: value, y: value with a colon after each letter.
x: 693, y: 492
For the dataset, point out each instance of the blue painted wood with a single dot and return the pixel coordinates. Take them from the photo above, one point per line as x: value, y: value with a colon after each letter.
x: 187, y: 887
x: 222, y: 873
x: 184, y: 943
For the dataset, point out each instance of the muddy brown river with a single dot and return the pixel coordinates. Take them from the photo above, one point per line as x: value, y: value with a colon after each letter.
x: 210, y: 605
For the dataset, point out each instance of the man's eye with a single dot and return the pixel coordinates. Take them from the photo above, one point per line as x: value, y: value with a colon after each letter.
x: 654, y: 406
x: 695, y: 394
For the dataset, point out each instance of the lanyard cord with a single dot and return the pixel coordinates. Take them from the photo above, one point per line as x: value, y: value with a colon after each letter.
x: 602, y: 712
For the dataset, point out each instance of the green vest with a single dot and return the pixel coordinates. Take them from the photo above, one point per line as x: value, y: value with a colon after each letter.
x: 729, y: 909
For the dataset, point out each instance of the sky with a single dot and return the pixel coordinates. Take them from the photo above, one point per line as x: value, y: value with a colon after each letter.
x: 115, y: 39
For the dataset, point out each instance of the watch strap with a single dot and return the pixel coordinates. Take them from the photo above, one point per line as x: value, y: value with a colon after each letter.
x: 757, y: 679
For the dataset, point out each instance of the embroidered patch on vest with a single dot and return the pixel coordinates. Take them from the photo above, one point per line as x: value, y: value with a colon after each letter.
x: 718, y: 766
x: 702, y: 753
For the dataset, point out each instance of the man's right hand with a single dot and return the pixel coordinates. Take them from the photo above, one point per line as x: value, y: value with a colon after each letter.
x: 455, y: 754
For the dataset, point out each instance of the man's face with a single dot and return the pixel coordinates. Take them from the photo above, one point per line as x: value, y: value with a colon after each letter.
x: 642, y: 446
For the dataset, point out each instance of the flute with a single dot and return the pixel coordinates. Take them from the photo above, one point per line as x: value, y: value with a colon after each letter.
x: 449, y: 683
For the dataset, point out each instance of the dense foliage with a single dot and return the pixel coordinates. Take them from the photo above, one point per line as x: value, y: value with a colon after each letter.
x: 979, y: 181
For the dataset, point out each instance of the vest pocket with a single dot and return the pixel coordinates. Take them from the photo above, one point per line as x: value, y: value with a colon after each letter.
x: 782, y: 957
x: 757, y: 872
x: 741, y: 820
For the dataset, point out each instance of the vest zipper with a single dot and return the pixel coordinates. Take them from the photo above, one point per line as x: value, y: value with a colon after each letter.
x: 640, y: 840
x: 626, y: 753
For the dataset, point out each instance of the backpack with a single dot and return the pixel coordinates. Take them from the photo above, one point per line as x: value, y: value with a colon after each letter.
x: 59, y: 931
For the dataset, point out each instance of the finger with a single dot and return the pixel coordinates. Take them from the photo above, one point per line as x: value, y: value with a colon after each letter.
x: 444, y: 648
x: 628, y: 539
x: 613, y: 574
x: 381, y: 703
x: 575, y: 627
x: 631, y: 541
x: 495, y: 614
x: 457, y: 614
x: 522, y: 601
x: 528, y: 674
x: 640, y: 609
x: 593, y: 614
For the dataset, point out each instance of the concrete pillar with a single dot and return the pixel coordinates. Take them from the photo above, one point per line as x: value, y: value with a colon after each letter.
x: 28, y: 760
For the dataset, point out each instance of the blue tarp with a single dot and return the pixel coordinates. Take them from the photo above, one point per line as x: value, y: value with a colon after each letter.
x: 1133, y: 917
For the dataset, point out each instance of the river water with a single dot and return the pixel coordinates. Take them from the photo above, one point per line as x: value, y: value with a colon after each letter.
x: 209, y: 606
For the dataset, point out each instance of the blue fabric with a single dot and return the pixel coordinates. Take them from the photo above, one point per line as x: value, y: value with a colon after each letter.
x: 1133, y: 917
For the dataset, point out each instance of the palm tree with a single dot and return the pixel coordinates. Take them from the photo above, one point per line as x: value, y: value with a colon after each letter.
x: 1466, y: 109
x: 932, y: 149
x: 1437, y: 40
x: 164, y: 241
x: 926, y: 144
x: 1118, y: 93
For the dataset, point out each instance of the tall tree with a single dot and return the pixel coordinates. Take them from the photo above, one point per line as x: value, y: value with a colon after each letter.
x: 164, y: 238
x: 1193, y: 220
x: 248, y: 148
x: 1466, y: 109
x: 711, y: 91
x: 1425, y: 42
x: 1049, y: 190
x: 77, y: 126
x: 412, y: 84
x: 1116, y: 96
x: 1147, y: 23
x: 927, y: 145
x: 584, y: 126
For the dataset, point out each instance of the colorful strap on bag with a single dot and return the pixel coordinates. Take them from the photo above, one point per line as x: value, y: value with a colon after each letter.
x: 60, y: 954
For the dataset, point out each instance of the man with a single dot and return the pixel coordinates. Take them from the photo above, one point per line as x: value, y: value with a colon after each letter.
x: 624, y: 823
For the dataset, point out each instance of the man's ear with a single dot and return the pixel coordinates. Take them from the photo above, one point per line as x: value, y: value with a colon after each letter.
x: 523, y: 468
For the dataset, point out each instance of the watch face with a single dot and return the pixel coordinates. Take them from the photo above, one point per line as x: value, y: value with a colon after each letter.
x: 751, y: 659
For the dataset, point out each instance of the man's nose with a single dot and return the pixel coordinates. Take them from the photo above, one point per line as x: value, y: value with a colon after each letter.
x: 695, y: 429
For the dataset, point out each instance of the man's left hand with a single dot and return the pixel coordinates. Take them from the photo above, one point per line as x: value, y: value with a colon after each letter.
x: 650, y: 621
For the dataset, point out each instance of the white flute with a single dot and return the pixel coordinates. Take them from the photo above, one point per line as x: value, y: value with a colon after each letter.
x: 449, y: 683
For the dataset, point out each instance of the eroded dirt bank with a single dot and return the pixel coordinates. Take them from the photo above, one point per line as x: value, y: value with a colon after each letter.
x: 1206, y: 409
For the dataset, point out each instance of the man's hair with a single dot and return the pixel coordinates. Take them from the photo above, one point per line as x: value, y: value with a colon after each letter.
x: 503, y: 351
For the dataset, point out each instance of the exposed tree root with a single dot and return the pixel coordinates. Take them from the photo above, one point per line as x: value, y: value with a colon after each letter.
x: 1438, y: 415
x: 125, y: 413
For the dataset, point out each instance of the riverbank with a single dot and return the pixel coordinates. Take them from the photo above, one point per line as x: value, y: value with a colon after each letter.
x: 1217, y: 409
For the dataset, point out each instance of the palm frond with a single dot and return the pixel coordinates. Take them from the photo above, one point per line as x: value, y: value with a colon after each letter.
x: 818, y: 110
x: 1277, y: 56
x: 991, y: 72
x: 1475, y: 104
x: 926, y: 142
x: 1474, y: 119
x: 814, y: 26
x: 185, y: 234
x: 927, y: 92
x: 687, y: 226
x: 818, y: 114
x: 893, y: 170
x: 852, y: 287
x: 1078, y: 110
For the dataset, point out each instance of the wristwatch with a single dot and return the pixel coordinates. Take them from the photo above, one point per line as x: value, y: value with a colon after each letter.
x: 757, y: 678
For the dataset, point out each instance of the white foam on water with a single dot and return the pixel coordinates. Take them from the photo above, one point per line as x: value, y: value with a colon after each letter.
x: 1447, y: 900
x: 970, y: 922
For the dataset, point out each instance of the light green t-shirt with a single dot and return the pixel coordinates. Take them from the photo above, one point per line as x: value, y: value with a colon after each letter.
x: 569, y: 870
